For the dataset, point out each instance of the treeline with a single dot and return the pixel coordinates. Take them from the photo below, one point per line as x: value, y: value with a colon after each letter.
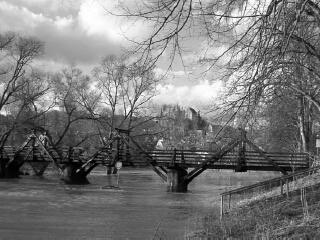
x: 278, y: 125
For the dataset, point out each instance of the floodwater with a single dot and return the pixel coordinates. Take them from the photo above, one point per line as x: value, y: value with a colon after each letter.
x: 45, y: 208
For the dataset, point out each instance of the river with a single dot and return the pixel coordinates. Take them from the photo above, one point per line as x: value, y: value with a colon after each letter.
x: 45, y: 208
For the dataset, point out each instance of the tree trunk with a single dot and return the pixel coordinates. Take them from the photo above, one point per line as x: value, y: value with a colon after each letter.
x: 305, y: 125
x: 303, y: 144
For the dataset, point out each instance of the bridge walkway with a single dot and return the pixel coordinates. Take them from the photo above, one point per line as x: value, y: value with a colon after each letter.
x: 239, y: 155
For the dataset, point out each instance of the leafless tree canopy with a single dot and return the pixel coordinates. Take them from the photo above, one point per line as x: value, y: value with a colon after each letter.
x: 20, y: 85
x: 124, y: 89
x: 267, y: 44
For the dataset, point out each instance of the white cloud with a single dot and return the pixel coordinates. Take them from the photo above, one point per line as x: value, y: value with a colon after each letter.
x: 203, y: 93
x: 65, y: 40
x: 64, y: 22
x: 75, y: 32
x: 14, y: 18
x: 95, y: 18
x: 50, y: 8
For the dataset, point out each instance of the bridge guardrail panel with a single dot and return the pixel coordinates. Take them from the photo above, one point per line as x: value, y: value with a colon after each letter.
x: 253, y: 159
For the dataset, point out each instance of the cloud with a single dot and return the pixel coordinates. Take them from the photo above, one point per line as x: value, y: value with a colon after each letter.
x: 94, y: 20
x: 203, y: 93
x: 97, y: 18
x: 66, y: 38
x: 50, y: 8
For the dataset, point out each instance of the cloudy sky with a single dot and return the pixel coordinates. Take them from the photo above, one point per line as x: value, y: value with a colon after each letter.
x: 81, y: 32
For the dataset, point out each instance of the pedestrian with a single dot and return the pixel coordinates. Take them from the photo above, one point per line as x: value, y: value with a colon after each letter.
x: 44, y: 139
x: 159, y: 145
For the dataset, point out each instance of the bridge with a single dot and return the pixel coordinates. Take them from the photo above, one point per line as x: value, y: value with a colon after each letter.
x: 179, y: 167
x: 176, y: 167
x: 72, y: 163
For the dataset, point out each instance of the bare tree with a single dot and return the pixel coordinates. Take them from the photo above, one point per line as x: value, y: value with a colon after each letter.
x: 110, y: 78
x: 267, y: 45
x: 137, y: 90
x: 20, y: 86
x: 16, y: 54
x: 69, y: 88
x: 125, y: 89
x: 259, y: 40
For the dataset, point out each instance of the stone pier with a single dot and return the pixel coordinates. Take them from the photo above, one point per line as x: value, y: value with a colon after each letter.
x: 9, y: 170
x: 176, y: 179
x: 111, y: 170
x: 73, y: 174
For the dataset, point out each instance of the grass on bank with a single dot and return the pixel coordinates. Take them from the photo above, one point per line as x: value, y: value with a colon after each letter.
x: 270, y: 218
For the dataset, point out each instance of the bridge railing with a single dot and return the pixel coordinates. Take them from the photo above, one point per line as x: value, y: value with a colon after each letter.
x: 252, y: 159
x: 189, y: 158
x: 77, y: 153
x: 280, y: 185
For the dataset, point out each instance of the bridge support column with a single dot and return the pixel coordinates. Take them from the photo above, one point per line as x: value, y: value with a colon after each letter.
x: 73, y: 174
x: 176, y: 179
x: 9, y: 171
x: 111, y: 170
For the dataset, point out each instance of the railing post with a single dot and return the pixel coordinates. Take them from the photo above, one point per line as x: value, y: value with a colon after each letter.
x: 241, y: 164
x: 281, y: 187
x: 221, y: 207
x: 173, y: 160
x: 182, y: 157
x: 229, y: 204
x: 287, y: 190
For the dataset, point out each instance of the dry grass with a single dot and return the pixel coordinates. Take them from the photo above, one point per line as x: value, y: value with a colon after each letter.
x: 270, y: 215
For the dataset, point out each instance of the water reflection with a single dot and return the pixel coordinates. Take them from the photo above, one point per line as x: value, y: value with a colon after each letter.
x: 33, y: 208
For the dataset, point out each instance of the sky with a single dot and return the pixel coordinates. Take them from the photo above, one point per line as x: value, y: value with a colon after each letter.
x: 81, y: 32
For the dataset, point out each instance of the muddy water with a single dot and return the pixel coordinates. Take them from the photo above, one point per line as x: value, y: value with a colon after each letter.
x: 34, y: 208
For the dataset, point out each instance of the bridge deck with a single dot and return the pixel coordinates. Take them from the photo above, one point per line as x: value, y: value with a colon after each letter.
x: 187, y: 158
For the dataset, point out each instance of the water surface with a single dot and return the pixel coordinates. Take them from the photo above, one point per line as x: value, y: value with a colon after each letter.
x: 45, y: 208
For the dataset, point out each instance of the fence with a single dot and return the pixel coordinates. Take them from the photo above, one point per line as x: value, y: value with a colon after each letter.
x: 229, y: 198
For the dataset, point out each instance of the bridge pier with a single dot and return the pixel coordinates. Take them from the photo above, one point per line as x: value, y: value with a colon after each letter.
x: 74, y: 174
x: 9, y: 170
x: 111, y: 170
x: 176, y: 179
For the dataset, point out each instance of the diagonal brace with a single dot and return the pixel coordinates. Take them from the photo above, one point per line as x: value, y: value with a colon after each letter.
x: 150, y: 160
x: 262, y: 154
x: 216, y: 157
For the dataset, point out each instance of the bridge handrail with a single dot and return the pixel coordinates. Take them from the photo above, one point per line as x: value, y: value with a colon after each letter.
x: 292, y: 160
x: 205, y: 152
x: 273, y: 180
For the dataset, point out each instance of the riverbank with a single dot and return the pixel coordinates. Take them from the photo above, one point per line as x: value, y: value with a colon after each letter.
x: 277, y: 217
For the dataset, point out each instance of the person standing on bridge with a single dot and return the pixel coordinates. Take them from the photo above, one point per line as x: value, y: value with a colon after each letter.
x: 159, y: 145
x: 44, y: 139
